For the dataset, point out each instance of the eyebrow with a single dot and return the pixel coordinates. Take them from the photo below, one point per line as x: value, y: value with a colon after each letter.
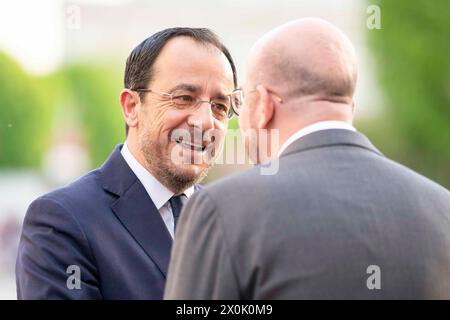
x: 221, y: 96
x: 185, y: 86
x: 193, y: 88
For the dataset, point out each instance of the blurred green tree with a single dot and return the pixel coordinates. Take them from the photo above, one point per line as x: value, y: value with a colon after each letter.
x: 25, y: 116
x: 94, y: 91
x: 412, y: 51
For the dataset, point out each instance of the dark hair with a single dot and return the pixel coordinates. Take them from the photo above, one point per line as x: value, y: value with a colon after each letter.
x: 138, y: 69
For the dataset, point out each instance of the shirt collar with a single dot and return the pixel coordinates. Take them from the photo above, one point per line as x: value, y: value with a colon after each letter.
x: 318, y: 126
x: 159, y: 193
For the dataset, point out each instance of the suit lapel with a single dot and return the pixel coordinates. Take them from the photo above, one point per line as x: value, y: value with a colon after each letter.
x: 140, y: 217
x: 135, y: 209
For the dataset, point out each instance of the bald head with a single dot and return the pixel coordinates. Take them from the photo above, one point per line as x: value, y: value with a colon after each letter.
x: 306, y: 57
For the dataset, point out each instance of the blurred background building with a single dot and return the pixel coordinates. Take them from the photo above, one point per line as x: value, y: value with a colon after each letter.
x: 61, y: 71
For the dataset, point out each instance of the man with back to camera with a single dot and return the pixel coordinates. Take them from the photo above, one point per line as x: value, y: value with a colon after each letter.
x: 338, y: 220
x: 108, y: 235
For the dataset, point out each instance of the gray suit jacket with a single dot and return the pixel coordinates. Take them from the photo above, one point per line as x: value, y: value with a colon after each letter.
x: 338, y: 221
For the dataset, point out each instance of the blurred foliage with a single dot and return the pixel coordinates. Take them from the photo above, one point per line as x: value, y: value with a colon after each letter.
x: 233, y: 123
x: 25, y: 116
x: 94, y: 91
x: 412, y: 55
x: 28, y: 105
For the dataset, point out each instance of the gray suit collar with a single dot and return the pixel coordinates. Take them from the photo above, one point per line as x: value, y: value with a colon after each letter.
x: 330, y: 137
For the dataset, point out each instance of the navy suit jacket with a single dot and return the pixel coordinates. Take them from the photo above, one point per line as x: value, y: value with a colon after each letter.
x: 103, y: 225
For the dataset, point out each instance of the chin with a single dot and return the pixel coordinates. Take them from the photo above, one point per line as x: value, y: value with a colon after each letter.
x: 181, y: 177
x: 191, y: 172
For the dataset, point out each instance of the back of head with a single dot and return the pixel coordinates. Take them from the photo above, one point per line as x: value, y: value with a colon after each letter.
x: 306, y: 58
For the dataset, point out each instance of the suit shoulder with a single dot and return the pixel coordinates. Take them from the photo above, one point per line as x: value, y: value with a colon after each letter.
x: 75, y: 195
x: 232, y: 195
x: 81, y: 186
x: 416, y: 178
x: 243, y: 179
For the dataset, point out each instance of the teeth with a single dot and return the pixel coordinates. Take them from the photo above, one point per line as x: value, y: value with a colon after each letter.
x: 190, y: 145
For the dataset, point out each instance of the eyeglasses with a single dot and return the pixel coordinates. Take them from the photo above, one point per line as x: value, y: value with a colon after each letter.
x: 237, y: 99
x: 182, y: 99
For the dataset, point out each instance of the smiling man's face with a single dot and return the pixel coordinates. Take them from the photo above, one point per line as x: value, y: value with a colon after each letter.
x: 176, y: 141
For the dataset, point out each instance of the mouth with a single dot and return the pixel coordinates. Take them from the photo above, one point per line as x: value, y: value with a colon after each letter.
x: 193, y: 146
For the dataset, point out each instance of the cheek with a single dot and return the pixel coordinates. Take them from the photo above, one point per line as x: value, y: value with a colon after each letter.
x: 162, y: 120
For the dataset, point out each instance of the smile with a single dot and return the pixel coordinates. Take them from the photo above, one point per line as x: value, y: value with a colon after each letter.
x: 192, y: 146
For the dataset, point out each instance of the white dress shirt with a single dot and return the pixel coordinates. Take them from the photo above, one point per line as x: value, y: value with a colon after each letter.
x: 318, y: 126
x: 159, y: 194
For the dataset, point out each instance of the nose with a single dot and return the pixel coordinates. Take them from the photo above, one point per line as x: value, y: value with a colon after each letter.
x: 202, y: 117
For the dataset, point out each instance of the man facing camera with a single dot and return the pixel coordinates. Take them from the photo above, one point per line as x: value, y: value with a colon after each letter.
x: 338, y: 220
x: 108, y: 235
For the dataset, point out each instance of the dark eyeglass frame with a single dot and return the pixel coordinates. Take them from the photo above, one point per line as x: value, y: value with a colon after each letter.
x: 230, y: 111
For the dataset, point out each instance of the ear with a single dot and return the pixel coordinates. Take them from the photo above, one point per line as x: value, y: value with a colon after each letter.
x: 353, y: 106
x: 265, y: 107
x: 129, y: 100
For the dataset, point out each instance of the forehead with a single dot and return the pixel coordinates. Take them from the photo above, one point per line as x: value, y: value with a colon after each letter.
x: 184, y: 60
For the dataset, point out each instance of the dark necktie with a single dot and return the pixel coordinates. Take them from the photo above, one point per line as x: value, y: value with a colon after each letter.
x: 177, y: 202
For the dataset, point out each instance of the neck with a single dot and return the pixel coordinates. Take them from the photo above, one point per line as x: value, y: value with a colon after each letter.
x: 134, y: 149
x: 299, y: 117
